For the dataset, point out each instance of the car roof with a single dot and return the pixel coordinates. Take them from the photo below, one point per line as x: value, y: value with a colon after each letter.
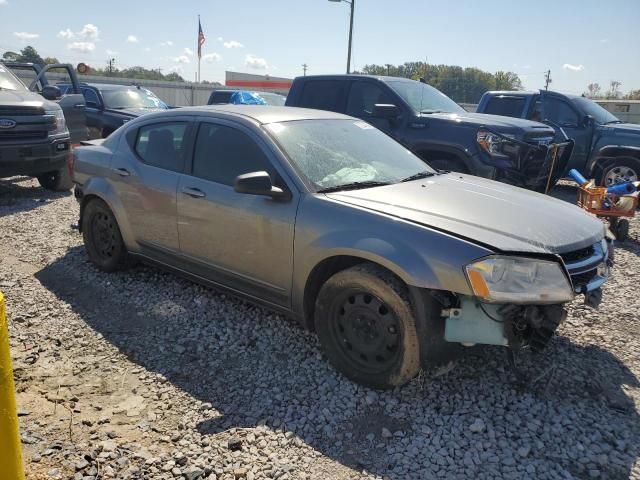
x: 259, y: 113
x: 530, y: 92
x: 354, y: 76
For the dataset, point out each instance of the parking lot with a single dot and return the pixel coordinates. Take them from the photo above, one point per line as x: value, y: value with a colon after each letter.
x: 142, y: 374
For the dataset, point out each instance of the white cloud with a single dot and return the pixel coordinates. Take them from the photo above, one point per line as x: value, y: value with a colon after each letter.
x: 89, y: 32
x: 182, y: 59
x: 26, y: 35
x: 604, y: 40
x: 82, y: 47
x: 147, y: 49
x: 212, y: 57
x: 3, y: 2
x: 573, y: 68
x: 233, y: 44
x: 67, y: 34
x: 168, y: 43
x: 188, y: 52
x: 110, y: 52
x: 220, y: 39
x: 256, y: 63
x: 132, y: 39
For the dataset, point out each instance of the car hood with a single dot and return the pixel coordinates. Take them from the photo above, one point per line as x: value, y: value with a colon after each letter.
x: 17, y: 98
x: 134, y: 112
x: 497, y: 122
x: 501, y: 216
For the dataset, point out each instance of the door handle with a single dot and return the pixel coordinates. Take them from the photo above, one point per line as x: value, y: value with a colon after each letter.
x: 79, y: 105
x: 194, y: 192
x: 123, y: 172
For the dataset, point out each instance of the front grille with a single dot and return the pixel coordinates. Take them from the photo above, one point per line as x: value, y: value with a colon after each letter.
x: 19, y: 135
x: 577, y: 255
x: 580, y: 280
x: 19, y: 110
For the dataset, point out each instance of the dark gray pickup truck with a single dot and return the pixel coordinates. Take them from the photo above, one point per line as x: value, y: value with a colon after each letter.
x: 39, y: 125
x: 606, y: 148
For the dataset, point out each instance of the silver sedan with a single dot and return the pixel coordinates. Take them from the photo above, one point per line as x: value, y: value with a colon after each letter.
x: 325, y: 218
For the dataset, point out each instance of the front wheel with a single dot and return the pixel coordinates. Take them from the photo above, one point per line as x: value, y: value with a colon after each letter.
x: 58, y: 181
x: 366, y: 325
x: 102, y: 238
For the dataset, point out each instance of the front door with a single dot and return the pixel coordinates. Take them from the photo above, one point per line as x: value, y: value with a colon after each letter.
x: 363, y: 96
x: 145, y: 177
x: 562, y: 114
x: 242, y: 241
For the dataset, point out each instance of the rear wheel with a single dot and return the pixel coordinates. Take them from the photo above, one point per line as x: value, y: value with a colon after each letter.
x: 57, y: 181
x: 102, y: 238
x: 365, y: 323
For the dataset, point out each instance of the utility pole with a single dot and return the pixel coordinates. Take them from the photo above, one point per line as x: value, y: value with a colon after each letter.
x: 304, y: 69
x: 547, y: 79
x: 388, y: 66
x: 111, y: 63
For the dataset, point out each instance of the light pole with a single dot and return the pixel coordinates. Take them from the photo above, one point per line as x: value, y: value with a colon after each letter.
x: 351, y: 4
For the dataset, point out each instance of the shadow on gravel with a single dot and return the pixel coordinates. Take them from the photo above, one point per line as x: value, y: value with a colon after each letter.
x: 18, y: 195
x: 255, y: 367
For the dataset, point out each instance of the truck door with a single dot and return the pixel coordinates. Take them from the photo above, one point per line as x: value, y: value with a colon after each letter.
x: 562, y: 114
x: 72, y: 101
x: 363, y: 96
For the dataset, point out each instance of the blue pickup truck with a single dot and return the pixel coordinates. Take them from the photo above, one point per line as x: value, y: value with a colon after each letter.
x: 606, y: 148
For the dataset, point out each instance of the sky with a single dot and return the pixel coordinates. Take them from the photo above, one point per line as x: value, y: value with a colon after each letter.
x: 580, y: 41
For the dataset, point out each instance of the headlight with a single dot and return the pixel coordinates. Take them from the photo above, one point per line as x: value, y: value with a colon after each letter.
x: 491, y: 142
x: 499, y: 279
x: 60, y: 125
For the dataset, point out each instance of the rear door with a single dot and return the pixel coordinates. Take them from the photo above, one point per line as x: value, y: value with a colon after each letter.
x: 145, y: 177
x: 323, y: 95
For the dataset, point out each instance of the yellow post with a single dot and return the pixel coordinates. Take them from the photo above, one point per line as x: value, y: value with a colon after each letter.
x: 10, y: 448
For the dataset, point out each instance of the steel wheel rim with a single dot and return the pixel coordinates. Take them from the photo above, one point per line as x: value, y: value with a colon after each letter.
x: 366, y: 332
x: 620, y: 174
x: 104, y: 235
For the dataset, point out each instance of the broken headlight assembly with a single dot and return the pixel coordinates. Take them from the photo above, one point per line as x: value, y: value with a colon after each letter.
x: 520, y: 280
x: 495, y: 144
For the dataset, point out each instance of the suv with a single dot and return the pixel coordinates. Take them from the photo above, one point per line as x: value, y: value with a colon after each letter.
x: 438, y: 130
x: 605, y: 148
x: 109, y: 106
x: 37, y: 128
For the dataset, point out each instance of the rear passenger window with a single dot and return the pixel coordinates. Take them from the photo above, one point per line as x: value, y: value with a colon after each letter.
x: 507, y: 106
x: 162, y: 145
x: 323, y: 95
x: 222, y: 153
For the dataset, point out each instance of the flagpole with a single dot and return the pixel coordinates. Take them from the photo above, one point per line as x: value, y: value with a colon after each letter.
x: 199, y: 50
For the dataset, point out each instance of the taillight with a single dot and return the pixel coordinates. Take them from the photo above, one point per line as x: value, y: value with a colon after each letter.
x: 72, y: 160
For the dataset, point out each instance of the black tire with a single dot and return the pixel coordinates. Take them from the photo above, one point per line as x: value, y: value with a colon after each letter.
x: 448, y: 165
x: 102, y: 238
x: 622, y: 230
x: 58, y: 181
x: 618, y: 170
x: 365, y: 323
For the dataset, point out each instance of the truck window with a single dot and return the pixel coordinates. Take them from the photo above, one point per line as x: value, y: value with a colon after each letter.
x: 560, y: 112
x: 323, y: 95
x: 222, y: 96
x: 503, y: 105
x: 91, y: 97
x: 363, y: 96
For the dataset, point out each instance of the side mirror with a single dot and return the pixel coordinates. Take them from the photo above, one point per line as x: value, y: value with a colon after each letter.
x: 385, y: 110
x: 587, y: 121
x: 51, y: 92
x: 259, y: 183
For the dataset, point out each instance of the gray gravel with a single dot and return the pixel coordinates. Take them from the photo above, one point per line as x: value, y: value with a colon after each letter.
x: 142, y: 374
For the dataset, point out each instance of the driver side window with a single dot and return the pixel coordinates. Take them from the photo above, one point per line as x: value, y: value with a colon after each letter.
x: 362, y: 98
x: 560, y: 112
x: 90, y: 97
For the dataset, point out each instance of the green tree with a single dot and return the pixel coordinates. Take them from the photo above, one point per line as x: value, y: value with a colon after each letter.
x: 50, y: 60
x: 633, y: 95
x: 30, y: 54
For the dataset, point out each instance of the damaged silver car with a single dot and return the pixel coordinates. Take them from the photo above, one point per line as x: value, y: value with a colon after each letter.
x: 327, y: 219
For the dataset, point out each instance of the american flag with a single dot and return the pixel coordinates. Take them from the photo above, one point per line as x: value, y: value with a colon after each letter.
x: 200, y: 39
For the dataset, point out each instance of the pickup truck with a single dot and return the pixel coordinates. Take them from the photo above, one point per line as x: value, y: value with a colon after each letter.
x: 39, y: 125
x: 434, y: 127
x: 606, y: 148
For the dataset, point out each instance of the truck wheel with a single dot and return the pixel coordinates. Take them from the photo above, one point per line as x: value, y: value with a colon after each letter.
x: 58, y: 181
x: 620, y: 170
x: 450, y: 165
x: 102, y: 238
x: 366, y: 326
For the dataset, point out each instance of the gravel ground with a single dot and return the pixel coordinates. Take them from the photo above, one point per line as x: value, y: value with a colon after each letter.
x: 143, y: 375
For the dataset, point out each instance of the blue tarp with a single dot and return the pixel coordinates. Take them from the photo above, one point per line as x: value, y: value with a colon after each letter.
x: 243, y: 97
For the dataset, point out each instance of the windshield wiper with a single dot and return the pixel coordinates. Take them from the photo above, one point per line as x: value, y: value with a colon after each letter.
x: 418, y: 176
x: 353, y: 186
